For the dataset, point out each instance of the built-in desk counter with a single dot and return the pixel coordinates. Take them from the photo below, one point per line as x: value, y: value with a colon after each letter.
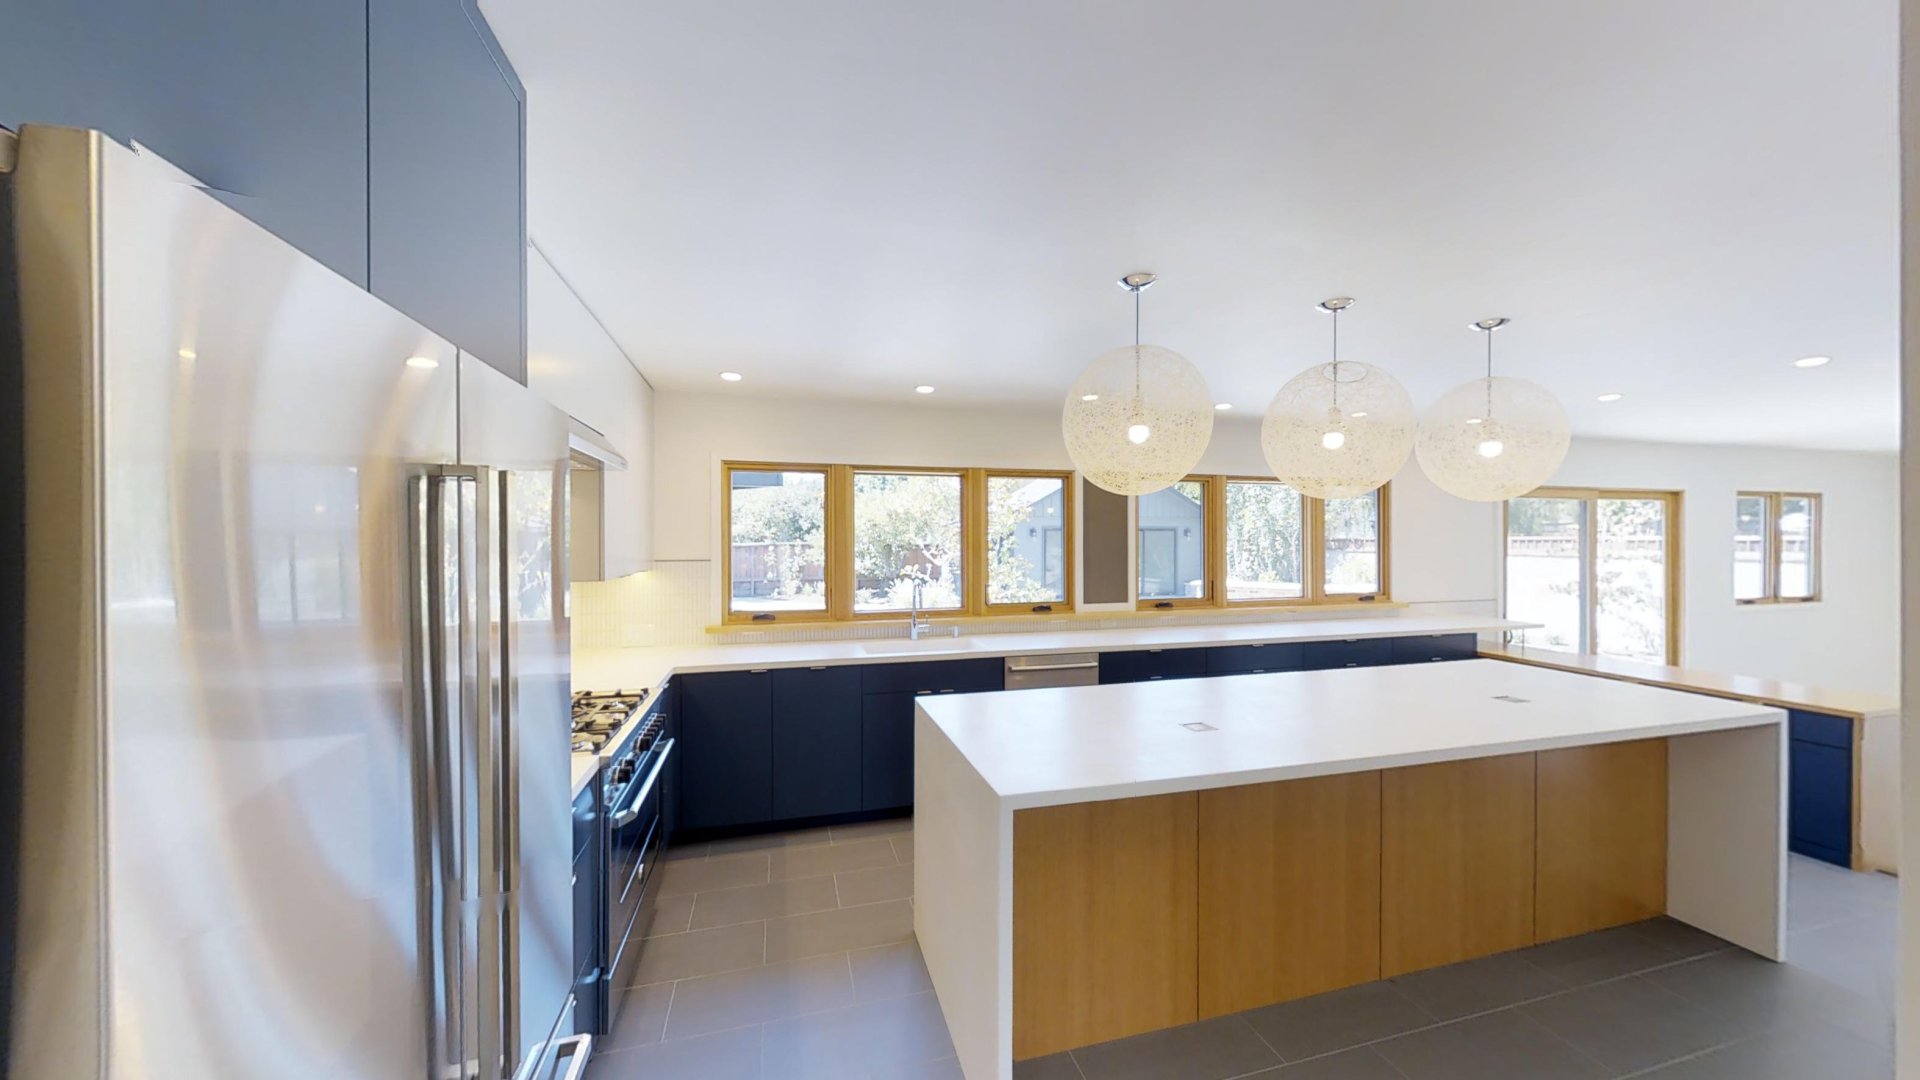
x: 1094, y: 862
x: 1845, y: 750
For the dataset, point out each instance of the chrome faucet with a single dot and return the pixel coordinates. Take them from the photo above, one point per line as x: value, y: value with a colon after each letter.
x: 916, y: 623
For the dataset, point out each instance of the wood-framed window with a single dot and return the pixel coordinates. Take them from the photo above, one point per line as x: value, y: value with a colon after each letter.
x: 1600, y: 569
x: 835, y: 543
x: 1243, y: 541
x: 1776, y: 547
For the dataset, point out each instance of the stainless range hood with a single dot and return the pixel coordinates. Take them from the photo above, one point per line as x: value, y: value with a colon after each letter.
x: 591, y: 457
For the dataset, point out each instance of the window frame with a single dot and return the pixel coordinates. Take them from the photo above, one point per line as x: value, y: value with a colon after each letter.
x: 977, y: 568
x: 1313, y: 560
x: 1213, y: 515
x: 1773, y: 551
x: 1590, y: 556
x: 828, y: 540
x: 967, y: 544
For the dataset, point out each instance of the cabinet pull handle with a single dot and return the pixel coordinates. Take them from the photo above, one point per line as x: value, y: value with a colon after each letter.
x: 921, y: 693
x: 821, y: 667
x: 1042, y: 607
x: 1164, y: 604
x: 757, y: 671
x: 764, y: 616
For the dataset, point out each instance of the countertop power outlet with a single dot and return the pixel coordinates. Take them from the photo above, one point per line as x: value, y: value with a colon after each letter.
x: 1199, y: 725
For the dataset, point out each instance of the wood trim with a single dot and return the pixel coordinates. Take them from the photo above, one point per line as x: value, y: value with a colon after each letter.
x: 728, y: 616
x: 1590, y: 554
x: 1772, y: 553
x: 849, y: 582
x: 1382, y: 509
x: 1212, y: 510
x: 1780, y: 695
x: 1104, y: 921
x: 1306, y: 579
x: 1289, y: 894
x: 1457, y: 861
x: 1601, y: 837
x: 1069, y: 540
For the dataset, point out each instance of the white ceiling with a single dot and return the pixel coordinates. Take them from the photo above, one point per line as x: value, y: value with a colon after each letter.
x: 1672, y: 200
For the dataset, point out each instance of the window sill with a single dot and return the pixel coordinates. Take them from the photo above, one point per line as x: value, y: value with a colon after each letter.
x: 1241, y: 608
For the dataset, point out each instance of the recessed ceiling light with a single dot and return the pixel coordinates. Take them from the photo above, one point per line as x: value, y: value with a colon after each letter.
x: 1813, y: 361
x: 422, y: 362
x: 189, y: 354
x: 1222, y: 406
x: 1609, y: 397
x: 923, y: 388
x: 730, y: 376
x: 1089, y: 397
x: 1361, y: 415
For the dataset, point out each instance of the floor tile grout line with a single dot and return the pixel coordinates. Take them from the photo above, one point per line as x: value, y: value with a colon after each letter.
x: 1528, y: 1018
x: 1272, y: 1049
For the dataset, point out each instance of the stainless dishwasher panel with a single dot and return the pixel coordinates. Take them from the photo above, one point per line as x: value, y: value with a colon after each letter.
x: 1056, y: 669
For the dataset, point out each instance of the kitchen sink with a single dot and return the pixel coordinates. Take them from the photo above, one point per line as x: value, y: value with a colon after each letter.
x: 895, y: 646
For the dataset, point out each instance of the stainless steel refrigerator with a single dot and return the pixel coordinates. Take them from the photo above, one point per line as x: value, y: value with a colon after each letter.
x: 291, y: 796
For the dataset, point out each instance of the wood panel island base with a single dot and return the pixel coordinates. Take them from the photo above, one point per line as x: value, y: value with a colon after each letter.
x: 1097, y: 862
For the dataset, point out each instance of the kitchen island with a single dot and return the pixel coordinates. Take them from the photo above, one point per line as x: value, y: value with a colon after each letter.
x: 1095, y: 862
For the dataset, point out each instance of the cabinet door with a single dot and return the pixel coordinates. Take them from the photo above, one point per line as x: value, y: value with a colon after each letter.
x: 1149, y: 665
x: 726, y: 749
x: 1251, y: 659
x: 669, y: 706
x: 886, y: 751
x: 1820, y: 801
x: 1428, y: 648
x: 817, y: 758
x: 1354, y: 652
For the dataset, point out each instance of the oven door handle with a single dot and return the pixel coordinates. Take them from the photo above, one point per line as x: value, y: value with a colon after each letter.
x: 631, y: 811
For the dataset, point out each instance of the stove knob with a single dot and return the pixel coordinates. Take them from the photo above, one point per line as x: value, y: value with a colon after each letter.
x: 623, y: 772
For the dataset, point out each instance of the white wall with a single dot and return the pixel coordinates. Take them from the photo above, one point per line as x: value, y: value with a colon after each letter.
x: 1848, y: 640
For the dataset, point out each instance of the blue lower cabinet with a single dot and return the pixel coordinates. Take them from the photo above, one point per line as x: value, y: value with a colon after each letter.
x: 1428, y: 648
x: 816, y: 742
x: 1149, y: 665
x: 886, y: 751
x: 725, y: 749
x: 1353, y: 652
x: 1820, y: 787
x: 1254, y: 659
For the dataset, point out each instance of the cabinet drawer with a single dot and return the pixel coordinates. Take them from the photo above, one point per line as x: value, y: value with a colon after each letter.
x: 1247, y: 659
x: 1354, y: 652
x: 1822, y: 728
x: 1147, y: 665
x: 1431, y: 647
x: 959, y: 676
x: 1820, y: 801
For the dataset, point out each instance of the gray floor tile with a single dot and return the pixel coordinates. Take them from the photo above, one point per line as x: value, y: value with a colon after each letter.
x: 669, y: 915
x: 839, y: 931
x: 1759, y: 993
x: 642, y: 1019
x: 872, y: 886
x: 1363, y: 1063
x: 1492, y: 982
x: 1679, y: 938
x: 699, y: 875
x: 1052, y: 1067
x: 868, y: 830
x: 1324, y: 1023
x: 677, y: 852
x: 1603, y: 954
x: 702, y: 952
x: 888, y: 971
x: 798, y: 838
x: 831, y: 859
x: 1502, y: 1044
x: 1632, y: 1023
x: 940, y: 1069
x: 1790, y: 1052
x: 1852, y: 953
x: 1209, y: 1050
x: 758, y: 995
x: 747, y: 903
x: 903, y: 847
x: 726, y: 1055
x: 872, y: 1039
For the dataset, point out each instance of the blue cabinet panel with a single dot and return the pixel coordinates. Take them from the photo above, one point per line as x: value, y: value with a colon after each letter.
x: 886, y: 750
x: 1820, y: 801
x: 958, y: 676
x: 1427, y: 648
x: 1151, y: 665
x: 1248, y: 659
x: 817, y: 756
x: 1822, y: 728
x: 1354, y: 652
x: 726, y: 749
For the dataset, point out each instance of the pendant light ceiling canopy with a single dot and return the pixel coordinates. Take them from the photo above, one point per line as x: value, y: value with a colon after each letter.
x: 1139, y: 417
x: 1338, y: 429
x: 1495, y: 438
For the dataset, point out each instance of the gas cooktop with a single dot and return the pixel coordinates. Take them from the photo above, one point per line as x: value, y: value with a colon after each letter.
x: 598, y: 714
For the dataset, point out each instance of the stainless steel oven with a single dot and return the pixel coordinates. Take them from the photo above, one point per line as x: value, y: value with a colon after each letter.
x: 634, y: 794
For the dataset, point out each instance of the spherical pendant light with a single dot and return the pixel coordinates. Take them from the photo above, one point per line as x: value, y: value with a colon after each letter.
x: 1138, y: 419
x: 1493, y: 439
x: 1338, y: 429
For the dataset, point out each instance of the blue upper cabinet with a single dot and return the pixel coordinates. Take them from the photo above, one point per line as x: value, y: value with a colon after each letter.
x: 446, y: 177
x: 266, y: 99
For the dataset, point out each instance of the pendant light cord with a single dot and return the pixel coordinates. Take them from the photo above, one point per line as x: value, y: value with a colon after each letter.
x: 1336, y: 359
x: 1489, y: 375
x: 1136, y: 351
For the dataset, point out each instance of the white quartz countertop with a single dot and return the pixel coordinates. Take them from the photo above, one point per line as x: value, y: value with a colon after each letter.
x: 642, y: 668
x: 585, y: 768
x: 1083, y: 744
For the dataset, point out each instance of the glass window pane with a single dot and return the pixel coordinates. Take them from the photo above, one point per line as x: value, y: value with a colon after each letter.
x: 1265, y: 547
x: 1798, y: 514
x: 906, y: 531
x: 1353, y: 545
x: 1173, y: 542
x: 1025, y: 540
x: 1630, y: 580
x: 1750, y: 547
x: 777, y: 533
x: 1545, y: 561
